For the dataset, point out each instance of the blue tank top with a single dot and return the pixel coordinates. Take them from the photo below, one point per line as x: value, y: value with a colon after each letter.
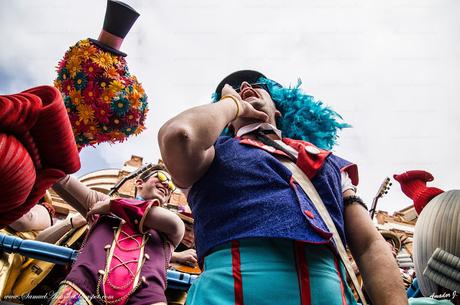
x: 247, y: 192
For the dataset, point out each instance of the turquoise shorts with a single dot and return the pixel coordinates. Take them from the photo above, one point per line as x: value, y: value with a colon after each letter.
x: 271, y: 271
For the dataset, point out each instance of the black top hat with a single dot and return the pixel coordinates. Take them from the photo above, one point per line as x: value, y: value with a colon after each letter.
x: 236, y: 78
x: 119, y: 18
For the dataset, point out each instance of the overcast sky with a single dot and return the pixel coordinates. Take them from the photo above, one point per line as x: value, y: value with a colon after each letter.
x: 390, y: 68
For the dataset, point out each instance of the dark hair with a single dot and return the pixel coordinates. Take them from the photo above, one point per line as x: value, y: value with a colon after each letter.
x: 146, y: 175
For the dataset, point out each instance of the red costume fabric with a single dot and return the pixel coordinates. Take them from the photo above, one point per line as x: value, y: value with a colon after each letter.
x: 37, y: 148
x: 124, y: 265
x: 413, y: 184
x: 132, y: 211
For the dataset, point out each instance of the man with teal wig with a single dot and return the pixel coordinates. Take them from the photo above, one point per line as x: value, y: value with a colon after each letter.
x: 258, y: 235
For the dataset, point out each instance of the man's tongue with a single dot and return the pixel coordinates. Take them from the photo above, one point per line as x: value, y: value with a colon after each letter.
x: 248, y: 93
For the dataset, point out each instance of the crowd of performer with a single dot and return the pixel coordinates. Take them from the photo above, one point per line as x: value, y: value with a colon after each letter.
x: 272, y: 215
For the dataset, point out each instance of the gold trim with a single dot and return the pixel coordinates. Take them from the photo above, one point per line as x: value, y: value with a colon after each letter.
x: 109, y: 257
x: 146, y: 212
x: 140, y: 261
x: 74, y: 286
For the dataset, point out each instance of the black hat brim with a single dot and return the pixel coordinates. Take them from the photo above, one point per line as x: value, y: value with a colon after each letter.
x: 236, y: 78
x: 107, y: 48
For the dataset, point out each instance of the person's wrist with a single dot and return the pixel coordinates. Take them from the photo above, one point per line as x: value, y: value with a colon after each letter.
x: 237, y: 103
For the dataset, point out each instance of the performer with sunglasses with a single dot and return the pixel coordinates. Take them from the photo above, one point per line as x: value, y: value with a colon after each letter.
x: 260, y: 238
x: 129, y: 245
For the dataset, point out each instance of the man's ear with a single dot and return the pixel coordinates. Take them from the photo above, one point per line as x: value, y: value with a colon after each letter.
x: 139, y: 183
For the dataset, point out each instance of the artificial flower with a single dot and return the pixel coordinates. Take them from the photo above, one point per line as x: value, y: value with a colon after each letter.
x: 102, y: 59
x: 91, y: 69
x: 80, y: 81
x: 76, y: 96
x: 73, y: 66
x: 85, y: 113
x: 105, y: 103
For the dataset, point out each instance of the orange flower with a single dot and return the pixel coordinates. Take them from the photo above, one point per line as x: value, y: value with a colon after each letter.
x: 73, y: 65
x: 111, y: 73
x: 139, y: 129
x: 135, y: 102
x: 86, y: 52
x: 138, y: 88
x: 76, y: 97
x: 102, y: 59
x: 72, y: 53
x: 107, y: 96
x: 86, y: 113
x: 134, y: 97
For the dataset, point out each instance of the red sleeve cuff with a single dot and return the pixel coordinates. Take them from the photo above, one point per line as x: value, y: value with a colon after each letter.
x: 352, y: 171
x: 131, y: 210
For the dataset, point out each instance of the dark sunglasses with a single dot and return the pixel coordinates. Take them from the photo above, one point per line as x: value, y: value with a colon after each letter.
x: 255, y: 86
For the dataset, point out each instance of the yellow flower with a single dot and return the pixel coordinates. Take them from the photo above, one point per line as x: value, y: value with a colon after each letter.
x: 73, y: 53
x: 58, y: 84
x: 116, y: 86
x: 84, y: 43
x: 114, y: 58
x: 86, y: 113
x: 73, y: 65
x: 102, y: 59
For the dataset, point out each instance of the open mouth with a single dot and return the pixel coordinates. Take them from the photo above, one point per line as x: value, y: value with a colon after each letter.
x: 249, y: 93
x: 163, y: 190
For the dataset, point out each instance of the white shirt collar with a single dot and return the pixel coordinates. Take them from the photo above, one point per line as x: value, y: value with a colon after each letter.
x: 251, y: 127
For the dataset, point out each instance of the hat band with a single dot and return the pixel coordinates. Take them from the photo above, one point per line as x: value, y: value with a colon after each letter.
x: 110, y: 40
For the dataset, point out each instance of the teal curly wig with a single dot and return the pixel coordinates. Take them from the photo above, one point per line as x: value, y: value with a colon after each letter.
x: 303, y: 118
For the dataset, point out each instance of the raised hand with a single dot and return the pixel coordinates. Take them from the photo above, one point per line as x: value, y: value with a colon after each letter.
x: 78, y: 221
x: 246, y: 110
x: 99, y: 208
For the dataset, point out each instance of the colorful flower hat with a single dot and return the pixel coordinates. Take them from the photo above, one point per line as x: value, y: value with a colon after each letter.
x: 105, y: 103
x: 37, y: 148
